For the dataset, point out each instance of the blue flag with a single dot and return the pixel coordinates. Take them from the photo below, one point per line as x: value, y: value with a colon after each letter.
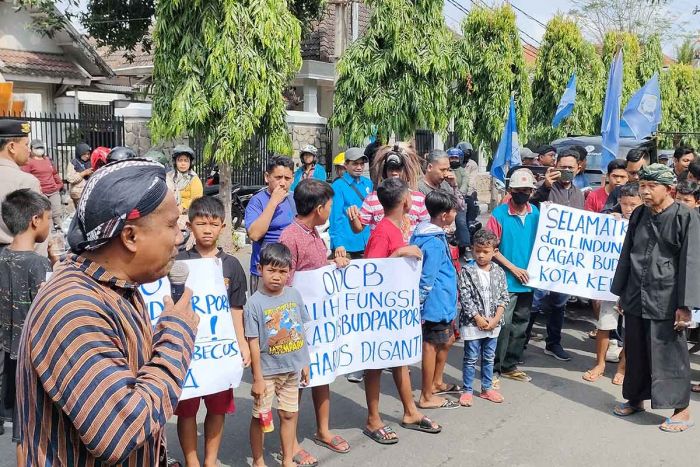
x: 643, y: 112
x: 610, y: 128
x: 566, y: 104
x: 508, y: 152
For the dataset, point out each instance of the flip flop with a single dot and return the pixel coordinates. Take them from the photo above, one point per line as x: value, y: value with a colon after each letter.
x: 516, y: 375
x: 333, y: 445
x: 447, y: 404
x: 304, y: 455
x: 450, y: 389
x: 695, y: 388
x: 619, y: 409
x: 425, y: 425
x: 619, y: 378
x: 379, y: 435
x: 681, y: 423
x: 591, y: 377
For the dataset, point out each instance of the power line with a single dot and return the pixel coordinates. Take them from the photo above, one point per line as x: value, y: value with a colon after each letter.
x: 521, y: 31
x: 529, y: 16
x: 465, y: 11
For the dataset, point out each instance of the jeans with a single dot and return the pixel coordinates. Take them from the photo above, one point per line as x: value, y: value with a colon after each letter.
x: 512, y: 338
x: 462, y: 232
x: 486, y: 349
x: 554, y: 304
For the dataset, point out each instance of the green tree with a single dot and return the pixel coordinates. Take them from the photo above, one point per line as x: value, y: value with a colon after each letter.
x: 489, y: 65
x: 219, y: 71
x: 651, y: 60
x: 395, y: 78
x: 686, y: 51
x: 680, y: 106
x: 125, y: 24
x: 630, y: 60
x: 563, y: 51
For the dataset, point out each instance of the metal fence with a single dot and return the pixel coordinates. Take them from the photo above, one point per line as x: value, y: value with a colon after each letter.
x: 61, y: 132
x: 250, y: 171
x: 424, y: 141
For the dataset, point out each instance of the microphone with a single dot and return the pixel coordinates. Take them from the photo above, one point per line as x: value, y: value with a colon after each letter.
x: 177, y: 277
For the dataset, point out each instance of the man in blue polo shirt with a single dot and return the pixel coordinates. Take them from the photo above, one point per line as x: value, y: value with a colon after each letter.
x: 350, y: 191
x: 515, y: 224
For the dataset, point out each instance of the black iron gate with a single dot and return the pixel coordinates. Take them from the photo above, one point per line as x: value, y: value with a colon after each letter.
x: 61, y: 132
x: 424, y: 141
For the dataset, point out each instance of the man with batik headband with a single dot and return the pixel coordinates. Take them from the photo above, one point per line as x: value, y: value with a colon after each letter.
x: 96, y: 382
x: 656, y: 280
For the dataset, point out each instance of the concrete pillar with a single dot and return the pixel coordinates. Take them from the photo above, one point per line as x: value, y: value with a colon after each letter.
x: 311, y: 98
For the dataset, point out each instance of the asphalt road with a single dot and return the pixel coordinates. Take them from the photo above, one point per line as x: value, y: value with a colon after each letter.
x: 556, y: 420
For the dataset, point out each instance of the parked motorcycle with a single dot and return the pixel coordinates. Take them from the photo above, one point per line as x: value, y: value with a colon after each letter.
x: 240, y: 196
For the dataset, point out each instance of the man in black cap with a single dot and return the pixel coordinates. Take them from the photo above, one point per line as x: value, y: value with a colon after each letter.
x: 14, y: 153
x: 547, y: 155
x: 96, y: 383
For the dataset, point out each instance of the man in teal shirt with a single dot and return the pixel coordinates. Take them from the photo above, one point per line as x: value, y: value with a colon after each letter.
x: 515, y: 224
x: 350, y: 191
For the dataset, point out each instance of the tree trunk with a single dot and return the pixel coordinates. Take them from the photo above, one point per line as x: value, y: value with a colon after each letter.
x: 226, y: 238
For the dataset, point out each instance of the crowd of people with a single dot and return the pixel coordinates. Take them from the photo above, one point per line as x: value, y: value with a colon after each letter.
x: 86, y: 379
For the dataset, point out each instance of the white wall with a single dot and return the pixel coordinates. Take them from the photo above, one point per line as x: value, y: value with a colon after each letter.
x: 15, y: 33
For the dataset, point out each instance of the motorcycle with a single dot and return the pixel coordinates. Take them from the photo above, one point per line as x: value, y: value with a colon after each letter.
x: 240, y: 196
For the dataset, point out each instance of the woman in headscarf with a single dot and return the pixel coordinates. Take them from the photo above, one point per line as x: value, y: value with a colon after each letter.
x: 183, y: 181
x: 397, y: 161
x: 79, y: 170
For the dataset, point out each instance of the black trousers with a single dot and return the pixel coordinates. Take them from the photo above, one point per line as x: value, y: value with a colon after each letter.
x: 658, y: 365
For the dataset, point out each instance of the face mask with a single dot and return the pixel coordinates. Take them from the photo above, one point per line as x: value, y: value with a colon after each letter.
x: 566, y: 176
x: 39, y: 152
x: 520, y: 198
x: 454, y: 164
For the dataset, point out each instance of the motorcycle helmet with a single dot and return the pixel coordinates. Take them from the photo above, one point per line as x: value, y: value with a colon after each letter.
x: 120, y: 153
x: 183, y: 149
x: 339, y: 159
x: 308, y: 149
x: 98, y: 158
x: 467, y: 150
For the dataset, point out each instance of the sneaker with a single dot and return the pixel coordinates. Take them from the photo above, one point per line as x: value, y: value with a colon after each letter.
x: 466, y: 399
x: 356, y: 377
x: 558, y: 352
x: 492, y: 395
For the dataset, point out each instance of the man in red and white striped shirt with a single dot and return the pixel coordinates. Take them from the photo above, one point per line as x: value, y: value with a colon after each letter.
x: 392, y: 163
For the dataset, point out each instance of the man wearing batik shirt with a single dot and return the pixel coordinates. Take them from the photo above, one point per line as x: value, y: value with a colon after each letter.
x: 657, y: 282
x: 96, y: 383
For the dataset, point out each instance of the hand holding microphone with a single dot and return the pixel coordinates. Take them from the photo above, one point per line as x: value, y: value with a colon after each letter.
x: 180, y: 304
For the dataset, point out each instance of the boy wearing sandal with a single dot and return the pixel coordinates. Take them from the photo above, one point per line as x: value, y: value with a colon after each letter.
x: 313, y: 200
x: 438, y: 296
x: 483, y: 297
x: 387, y: 241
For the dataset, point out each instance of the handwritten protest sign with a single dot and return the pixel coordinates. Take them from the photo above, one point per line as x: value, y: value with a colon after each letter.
x: 365, y: 316
x: 216, y: 362
x: 576, y: 252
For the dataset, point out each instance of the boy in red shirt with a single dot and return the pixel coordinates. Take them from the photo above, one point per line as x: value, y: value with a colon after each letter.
x: 387, y: 241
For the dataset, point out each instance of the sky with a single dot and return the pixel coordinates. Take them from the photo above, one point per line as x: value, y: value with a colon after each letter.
x: 544, y: 10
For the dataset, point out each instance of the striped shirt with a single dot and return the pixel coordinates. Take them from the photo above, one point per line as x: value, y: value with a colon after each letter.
x: 96, y: 383
x: 372, y: 212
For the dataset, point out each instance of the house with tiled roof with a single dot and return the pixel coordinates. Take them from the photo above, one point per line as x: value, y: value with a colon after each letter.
x: 309, y: 97
x: 45, y: 69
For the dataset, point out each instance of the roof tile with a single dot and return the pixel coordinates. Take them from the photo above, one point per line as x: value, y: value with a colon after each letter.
x: 38, y: 64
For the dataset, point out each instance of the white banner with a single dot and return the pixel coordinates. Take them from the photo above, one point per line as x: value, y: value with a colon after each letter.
x: 576, y: 252
x: 216, y: 362
x: 364, y: 316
